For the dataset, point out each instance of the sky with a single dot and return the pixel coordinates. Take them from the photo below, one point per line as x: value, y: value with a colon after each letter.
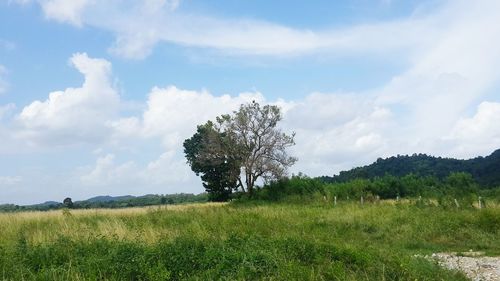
x: 97, y: 96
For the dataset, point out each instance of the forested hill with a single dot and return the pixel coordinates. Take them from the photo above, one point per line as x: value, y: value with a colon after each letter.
x: 485, y: 170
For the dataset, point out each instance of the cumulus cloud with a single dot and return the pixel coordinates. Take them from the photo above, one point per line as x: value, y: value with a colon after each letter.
x: 479, y: 133
x: 337, y: 131
x: 331, y: 128
x: 107, y: 172
x: 75, y: 114
x: 168, y: 173
x: 173, y: 113
x: 65, y: 11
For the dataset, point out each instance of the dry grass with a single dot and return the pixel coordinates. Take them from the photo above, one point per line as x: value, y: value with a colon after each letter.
x: 36, y: 215
x: 84, y: 224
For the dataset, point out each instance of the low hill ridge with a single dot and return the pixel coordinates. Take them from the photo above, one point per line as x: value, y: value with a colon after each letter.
x: 485, y: 170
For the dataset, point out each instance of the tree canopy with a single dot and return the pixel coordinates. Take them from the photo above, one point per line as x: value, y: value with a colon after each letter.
x: 208, y: 154
x: 484, y: 170
x: 238, y: 149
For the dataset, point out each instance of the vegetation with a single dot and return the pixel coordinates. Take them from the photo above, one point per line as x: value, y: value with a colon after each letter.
x: 291, y: 229
x: 246, y: 240
x: 111, y: 202
x: 483, y: 169
x: 457, y: 188
x: 206, y: 153
x: 67, y: 202
x: 371, y: 227
x: 246, y: 142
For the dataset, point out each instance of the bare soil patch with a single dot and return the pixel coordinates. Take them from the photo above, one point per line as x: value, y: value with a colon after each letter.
x: 475, y: 266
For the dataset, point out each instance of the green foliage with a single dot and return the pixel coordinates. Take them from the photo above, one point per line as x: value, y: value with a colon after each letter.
x: 459, y: 186
x: 295, y: 186
x: 248, y: 241
x: 207, y: 152
x: 68, y: 203
x: 484, y: 170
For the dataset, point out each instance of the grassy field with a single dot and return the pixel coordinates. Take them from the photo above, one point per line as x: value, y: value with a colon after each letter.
x: 243, y: 241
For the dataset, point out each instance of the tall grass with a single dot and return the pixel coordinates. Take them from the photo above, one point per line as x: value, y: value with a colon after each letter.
x: 243, y: 241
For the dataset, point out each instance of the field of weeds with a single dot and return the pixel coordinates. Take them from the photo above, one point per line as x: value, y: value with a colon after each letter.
x: 243, y: 241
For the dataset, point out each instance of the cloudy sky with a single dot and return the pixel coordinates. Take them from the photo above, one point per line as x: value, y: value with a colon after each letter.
x: 96, y: 96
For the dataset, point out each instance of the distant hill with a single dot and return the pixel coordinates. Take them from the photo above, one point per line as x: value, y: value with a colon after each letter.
x: 485, y: 170
x: 113, y: 202
x: 108, y: 198
x: 49, y: 203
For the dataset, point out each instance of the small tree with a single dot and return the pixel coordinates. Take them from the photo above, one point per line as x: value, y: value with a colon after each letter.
x: 246, y: 143
x: 68, y: 203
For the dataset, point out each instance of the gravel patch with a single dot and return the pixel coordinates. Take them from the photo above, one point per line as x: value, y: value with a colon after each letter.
x: 473, y: 264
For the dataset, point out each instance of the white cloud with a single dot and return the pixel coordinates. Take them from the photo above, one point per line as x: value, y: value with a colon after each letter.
x: 106, y: 172
x: 169, y: 168
x: 168, y: 173
x: 479, y: 133
x: 483, y: 125
x: 75, y: 114
x: 446, y: 79
x: 251, y: 37
x: 140, y: 26
x: 331, y: 128
x: 65, y: 11
x: 337, y: 131
x: 173, y: 114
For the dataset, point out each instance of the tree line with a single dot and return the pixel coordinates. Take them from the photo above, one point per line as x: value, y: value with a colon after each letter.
x: 484, y: 170
x: 120, y: 202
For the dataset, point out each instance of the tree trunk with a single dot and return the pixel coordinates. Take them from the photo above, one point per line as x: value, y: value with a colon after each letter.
x: 249, y: 182
x: 241, y: 184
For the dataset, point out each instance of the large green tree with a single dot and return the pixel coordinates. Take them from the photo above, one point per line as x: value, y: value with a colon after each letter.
x: 207, y: 154
x: 240, y: 148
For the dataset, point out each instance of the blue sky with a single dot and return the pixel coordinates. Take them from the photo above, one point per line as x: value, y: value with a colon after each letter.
x: 97, y: 96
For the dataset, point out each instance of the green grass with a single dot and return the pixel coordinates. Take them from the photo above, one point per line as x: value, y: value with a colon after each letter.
x: 243, y: 241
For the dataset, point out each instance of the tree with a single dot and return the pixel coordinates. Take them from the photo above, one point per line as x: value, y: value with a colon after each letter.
x: 245, y: 143
x: 207, y: 154
x: 68, y: 203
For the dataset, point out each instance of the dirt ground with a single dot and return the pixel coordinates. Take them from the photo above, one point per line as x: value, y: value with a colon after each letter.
x: 476, y: 266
